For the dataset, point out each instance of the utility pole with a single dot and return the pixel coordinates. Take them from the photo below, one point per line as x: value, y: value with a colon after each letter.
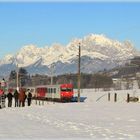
x: 52, y: 73
x: 79, y: 73
x: 51, y: 79
x: 17, y: 77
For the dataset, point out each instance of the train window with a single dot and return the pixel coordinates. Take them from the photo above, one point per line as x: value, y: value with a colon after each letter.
x: 63, y: 89
x: 69, y: 89
x: 51, y: 90
x: 48, y: 90
x: 42, y: 90
x: 66, y: 89
x: 54, y: 90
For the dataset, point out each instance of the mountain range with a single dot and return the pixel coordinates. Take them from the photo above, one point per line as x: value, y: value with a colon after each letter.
x: 98, y: 52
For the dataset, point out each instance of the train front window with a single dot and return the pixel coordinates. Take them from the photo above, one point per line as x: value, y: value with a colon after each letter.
x: 66, y: 89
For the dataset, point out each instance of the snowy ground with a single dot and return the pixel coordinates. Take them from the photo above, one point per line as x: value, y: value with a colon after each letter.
x: 96, y: 118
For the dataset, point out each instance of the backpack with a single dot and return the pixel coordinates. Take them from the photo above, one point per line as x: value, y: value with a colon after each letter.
x: 29, y: 95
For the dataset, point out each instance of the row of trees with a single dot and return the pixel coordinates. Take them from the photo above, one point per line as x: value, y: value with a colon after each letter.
x: 23, y: 77
x: 87, y: 80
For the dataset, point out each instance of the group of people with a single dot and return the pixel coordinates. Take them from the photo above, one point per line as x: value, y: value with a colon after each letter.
x: 19, y: 98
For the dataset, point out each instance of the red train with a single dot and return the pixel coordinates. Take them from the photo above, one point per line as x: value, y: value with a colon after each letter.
x: 62, y: 92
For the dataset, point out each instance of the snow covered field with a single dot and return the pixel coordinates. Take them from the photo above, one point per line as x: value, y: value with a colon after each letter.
x: 95, y: 118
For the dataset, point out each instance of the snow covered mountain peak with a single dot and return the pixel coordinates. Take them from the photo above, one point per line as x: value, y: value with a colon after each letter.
x: 28, y: 55
x: 7, y: 59
x: 97, y: 51
x: 98, y: 39
x: 28, y: 47
x: 56, y: 48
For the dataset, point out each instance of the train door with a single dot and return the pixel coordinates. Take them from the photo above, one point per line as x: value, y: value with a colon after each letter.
x: 53, y: 92
x: 57, y: 92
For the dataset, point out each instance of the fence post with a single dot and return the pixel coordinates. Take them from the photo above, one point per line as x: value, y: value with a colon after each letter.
x: 115, y: 97
x: 108, y: 96
x: 128, y: 98
x: 36, y: 101
x: 42, y: 102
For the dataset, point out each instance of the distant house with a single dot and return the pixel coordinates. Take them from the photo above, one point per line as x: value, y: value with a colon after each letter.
x: 125, y: 83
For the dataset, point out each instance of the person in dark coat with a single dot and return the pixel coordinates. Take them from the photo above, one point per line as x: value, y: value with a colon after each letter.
x: 16, y: 96
x: 29, y: 97
x: 10, y: 97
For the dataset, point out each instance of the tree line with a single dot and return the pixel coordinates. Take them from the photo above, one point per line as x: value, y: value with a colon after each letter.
x: 87, y: 80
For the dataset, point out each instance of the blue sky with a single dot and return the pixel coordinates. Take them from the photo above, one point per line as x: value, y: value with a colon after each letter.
x: 46, y: 23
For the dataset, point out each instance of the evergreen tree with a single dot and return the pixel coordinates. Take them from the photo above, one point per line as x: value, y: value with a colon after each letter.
x: 23, y: 76
x: 12, y: 75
